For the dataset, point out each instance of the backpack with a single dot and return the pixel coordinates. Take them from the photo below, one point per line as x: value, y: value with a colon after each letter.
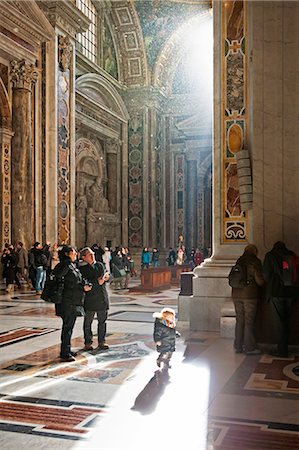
x: 53, y: 289
x: 237, y: 277
x: 290, y: 270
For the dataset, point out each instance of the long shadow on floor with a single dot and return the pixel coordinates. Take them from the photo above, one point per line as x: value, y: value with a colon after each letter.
x: 147, y: 400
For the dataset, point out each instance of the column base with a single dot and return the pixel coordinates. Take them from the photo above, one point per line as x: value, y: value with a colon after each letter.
x: 211, y: 295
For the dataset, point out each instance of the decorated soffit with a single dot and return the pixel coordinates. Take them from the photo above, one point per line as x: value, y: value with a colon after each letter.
x: 130, y: 45
x: 160, y: 18
x: 101, y: 94
x: 196, y: 125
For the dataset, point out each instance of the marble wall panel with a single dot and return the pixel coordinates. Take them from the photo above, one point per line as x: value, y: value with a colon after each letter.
x: 274, y: 76
x: 234, y: 116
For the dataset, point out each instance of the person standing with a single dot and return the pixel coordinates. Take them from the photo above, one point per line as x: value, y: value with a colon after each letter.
x: 96, y: 300
x: 155, y: 257
x: 165, y: 335
x: 9, y: 261
x: 245, y: 299
x: 22, y: 264
x: 72, y: 298
x: 145, y: 258
x: 107, y: 259
x: 280, y: 295
x: 171, y: 257
x: 39, y: 262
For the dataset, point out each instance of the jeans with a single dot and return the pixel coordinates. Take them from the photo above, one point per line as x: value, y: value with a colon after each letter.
x: 40, y: 278
x: 89, y: 316
x: 155, y: 263
x: 68, y: 322
x: 245, y: 316
x: 282, y: 310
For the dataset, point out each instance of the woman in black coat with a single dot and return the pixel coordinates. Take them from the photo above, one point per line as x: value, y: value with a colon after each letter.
x: 9, y: 261
x: 72, y: 298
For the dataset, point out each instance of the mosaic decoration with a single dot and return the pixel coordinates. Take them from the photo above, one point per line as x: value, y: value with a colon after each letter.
x: 109, y: 53
x: 64, y: 195
x: 21, y: 334
x: 179, y: 201
x: 160, y: 18
x: 234, y: 115
x: 5, y: 189
x: 159, y: 187
x: 135, y: 181
x: 130, y: 45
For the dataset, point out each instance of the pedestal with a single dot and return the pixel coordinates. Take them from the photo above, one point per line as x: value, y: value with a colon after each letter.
x: 158, y: 278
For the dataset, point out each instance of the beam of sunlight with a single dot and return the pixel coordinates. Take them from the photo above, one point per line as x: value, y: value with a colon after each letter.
x: 178, y: 418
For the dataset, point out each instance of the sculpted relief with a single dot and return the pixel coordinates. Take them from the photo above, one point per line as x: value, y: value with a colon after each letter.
x: 91, y: 201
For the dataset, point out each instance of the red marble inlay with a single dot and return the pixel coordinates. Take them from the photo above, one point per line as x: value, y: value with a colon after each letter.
x: 63, y: 419
x: 236, y: 436
x: 11, y: 336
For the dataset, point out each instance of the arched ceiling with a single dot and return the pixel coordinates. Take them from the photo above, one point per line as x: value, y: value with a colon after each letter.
x: 142, y: 28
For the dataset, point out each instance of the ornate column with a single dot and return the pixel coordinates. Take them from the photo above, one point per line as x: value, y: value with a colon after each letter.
x: 191, y: 198
x: 65, y: 54
x: 112, y: 187
x: 5, y: 178
x: 23, y: 76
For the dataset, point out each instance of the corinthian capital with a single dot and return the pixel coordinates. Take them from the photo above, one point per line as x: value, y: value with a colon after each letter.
x: 23, y: 75
x: 65, y: 52
x: 111, y: 146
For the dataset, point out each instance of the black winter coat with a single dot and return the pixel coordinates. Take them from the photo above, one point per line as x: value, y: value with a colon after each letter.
x: 272, y: 269
x: 73, y: 293
x: 9, y: 261
x: 165, y: 335
x: 97, y: 298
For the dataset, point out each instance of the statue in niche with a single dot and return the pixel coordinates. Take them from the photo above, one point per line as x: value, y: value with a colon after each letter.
x: 81, y: 210
x: 96, y: 197
x: 90, y: 227
x: 81, y: 204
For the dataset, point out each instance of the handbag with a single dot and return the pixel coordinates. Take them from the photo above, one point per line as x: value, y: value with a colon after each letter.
x: 118, y: 273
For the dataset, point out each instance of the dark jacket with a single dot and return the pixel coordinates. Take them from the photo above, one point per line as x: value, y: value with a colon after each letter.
x: 73, y: 293
x: 9, y: 261
x: 254, y: 276
x: 272, y: 269
x: 166, y: 335
x: 38, y: 258
x: 97, y: 298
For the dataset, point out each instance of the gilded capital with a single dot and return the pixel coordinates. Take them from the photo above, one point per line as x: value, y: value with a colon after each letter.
x: 65, y: 50
x: 23, y: 75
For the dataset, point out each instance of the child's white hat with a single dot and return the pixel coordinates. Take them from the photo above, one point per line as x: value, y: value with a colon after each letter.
x: 160, y: 314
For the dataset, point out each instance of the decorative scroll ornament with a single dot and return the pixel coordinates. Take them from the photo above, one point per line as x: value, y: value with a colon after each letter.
x: 65, y: 52
x: 23, y: 75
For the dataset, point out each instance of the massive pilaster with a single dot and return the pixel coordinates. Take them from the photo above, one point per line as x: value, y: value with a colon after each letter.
x: 112, y: 149
x: 231, y: 225
x: 59, y: 120
x: 146, y: 166
x: 23, y: 76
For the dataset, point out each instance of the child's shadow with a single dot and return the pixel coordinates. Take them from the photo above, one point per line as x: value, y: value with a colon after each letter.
x: 148, y: 398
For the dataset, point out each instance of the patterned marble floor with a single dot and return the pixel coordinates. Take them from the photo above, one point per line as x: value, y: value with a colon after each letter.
x: 211, y: 398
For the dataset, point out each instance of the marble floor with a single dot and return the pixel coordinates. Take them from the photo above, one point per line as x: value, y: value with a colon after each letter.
x: 210, y: 399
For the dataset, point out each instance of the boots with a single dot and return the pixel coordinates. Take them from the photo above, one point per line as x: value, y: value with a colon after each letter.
x: 10, y: 288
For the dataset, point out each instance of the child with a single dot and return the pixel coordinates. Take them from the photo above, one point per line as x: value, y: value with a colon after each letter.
x: 164, y: 335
